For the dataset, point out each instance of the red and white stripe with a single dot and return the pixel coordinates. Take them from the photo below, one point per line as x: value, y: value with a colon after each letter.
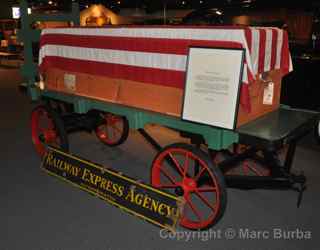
x: 158, y: 55
x: 122, y: 57
x: 269, y: 50
x: 140, y: 47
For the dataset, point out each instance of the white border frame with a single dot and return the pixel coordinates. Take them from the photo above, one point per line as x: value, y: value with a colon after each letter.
x: 211, y: 106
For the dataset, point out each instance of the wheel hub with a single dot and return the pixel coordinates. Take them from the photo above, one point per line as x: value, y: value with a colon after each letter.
x: 102, y: 135
x: 189, y: 185
x: 49, y: 135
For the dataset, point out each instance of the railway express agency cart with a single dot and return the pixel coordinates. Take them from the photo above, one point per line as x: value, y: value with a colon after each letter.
x: 108, y: 80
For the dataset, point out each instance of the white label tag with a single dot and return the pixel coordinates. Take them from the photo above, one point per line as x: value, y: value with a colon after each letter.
x: 268, y: 94
x: 70, y: 82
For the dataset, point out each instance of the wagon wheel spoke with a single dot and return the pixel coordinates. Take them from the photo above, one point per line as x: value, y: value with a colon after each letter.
x: 186, y: 165
x: 115, y: 128
x: 196, y: 178
x: 205, y: 200
x: 193, y: 208
x: 176, y: 163
x: 165, y: 172
x: 207, y: 189
x: 115, y: 131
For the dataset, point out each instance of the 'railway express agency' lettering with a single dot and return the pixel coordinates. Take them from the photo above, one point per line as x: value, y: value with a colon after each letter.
x: 102, y: 183
x: 62, y: 165
x: 128, y: 194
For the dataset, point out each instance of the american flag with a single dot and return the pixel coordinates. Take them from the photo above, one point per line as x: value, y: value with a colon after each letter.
x: 158, y: 55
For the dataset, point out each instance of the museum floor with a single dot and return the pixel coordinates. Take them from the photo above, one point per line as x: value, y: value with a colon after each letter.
x: 39, y: 212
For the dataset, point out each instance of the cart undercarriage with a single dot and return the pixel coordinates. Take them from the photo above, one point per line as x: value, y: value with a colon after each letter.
x: 259, y: 154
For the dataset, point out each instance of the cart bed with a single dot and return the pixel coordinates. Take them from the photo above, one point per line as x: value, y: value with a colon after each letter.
x: 277, y: 128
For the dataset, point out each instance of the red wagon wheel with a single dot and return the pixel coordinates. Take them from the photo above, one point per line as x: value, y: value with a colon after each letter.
x: 187, y: 171
x: 47, y: 129
x: 113, y: 130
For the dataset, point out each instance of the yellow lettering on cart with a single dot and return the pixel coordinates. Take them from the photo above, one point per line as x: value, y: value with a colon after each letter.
x: 49, y: 159
x: 151, y: 204
x: 97, y: 181
x: 154, y: 205
x: 130, y: 195
x: 172, y: 212
x: 60, y: 164
x: 85, y: 174
x: 139, y: 199
x: 102, y: 183
x: 161, y: 208
x: 146, y: 202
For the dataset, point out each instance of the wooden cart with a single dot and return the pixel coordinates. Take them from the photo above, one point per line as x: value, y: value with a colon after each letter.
x: 108, y: 80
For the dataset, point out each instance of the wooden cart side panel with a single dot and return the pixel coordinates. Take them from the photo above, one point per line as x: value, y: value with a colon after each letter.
x: 259, y: 109
x: 152, y: 97
x: 157, y: 98
x: 102, y: 88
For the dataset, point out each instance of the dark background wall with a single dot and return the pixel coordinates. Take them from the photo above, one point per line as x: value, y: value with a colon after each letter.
x: 5, y: 8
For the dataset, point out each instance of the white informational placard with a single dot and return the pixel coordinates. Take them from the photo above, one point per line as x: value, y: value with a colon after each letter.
x: 15, y: 12
x: 212, y: 86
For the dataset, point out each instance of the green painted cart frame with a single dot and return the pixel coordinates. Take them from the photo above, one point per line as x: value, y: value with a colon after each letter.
x: 216, y: 138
